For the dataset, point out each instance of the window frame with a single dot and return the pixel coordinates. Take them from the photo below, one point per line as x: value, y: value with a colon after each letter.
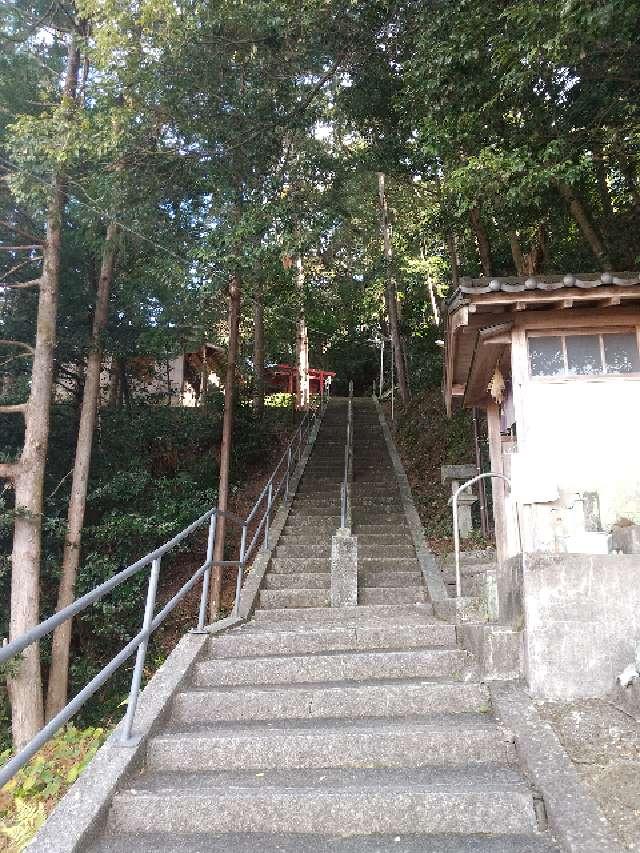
x: 563, y: 334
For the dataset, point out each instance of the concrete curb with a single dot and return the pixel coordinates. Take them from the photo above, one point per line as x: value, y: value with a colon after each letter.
x: 82, y: 811
x: 574, y: 817
x: 83, y: 808
x: 430, y: 571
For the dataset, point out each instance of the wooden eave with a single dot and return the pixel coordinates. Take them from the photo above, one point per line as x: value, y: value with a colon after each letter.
x: 564, y: 297
x: 460, y: 344
x: 492, y: 346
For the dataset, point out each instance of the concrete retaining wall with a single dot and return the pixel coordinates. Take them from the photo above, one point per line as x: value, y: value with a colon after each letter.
x: 581, y: 622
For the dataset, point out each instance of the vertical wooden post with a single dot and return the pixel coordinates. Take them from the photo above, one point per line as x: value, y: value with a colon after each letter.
x: 225, y: 446
x: 397, y: 349
x: 498, y: 486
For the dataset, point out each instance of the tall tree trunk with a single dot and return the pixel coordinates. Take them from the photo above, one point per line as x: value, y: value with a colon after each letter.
x: 516, y: 253
x: 482, y: 239
x: 600, y: 167
x: 25, y: 686
x: 535, y: 261
x: 453, y: 259
x: 579, y: 213
x: 225, y: 446
x: 630, y: 178
x: 302, y: 343
x: 392, y: 295
x: 258, y: 354
x: 59, y: 671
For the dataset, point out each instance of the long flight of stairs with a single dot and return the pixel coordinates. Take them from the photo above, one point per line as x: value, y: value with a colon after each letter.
x: 313, y: 729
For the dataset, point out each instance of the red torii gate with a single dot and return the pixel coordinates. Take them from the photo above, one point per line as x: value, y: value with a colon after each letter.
x: 282, y: 377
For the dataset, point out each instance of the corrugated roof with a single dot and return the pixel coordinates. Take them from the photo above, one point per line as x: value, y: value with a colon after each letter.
x: 519, y: 284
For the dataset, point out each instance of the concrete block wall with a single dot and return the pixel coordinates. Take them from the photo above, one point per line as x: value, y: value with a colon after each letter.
x: 581, y: 622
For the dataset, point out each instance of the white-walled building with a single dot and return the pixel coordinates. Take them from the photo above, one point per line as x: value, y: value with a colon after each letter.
x: 554, y: 360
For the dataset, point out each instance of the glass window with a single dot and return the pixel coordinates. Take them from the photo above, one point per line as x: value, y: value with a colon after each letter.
x: 621, y: 353
x: 583, y: 355
x: 546, y: 356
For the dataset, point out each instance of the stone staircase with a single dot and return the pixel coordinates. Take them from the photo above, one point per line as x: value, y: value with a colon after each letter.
x: 312, y: 729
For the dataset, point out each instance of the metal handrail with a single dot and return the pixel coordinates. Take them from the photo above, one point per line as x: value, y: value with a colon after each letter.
x: 345, y: 497
x: 456, y: 532
x: 139, y: 643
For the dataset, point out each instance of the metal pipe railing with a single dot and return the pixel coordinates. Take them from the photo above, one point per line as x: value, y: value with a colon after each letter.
x: 345, y: 491
x: 456, y: 532
x: 138, y: 645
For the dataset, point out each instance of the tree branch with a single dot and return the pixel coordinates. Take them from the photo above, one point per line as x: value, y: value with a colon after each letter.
x: 18, y: 267
x: 8, y: 470
x: 20, y: 248
x: 22, y: 285
x: 13, y: 408
x: 9, y: 343
x: 18, y: 230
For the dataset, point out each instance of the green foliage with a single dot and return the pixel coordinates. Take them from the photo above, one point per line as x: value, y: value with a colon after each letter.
x: 154, y: 471
x: 27, y: 799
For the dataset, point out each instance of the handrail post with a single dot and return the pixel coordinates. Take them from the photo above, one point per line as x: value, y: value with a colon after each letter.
x: 243, y: 545
x: 211, y: 541
x: 136, y: 680
x: 286, y: 488
x: 268, y: 517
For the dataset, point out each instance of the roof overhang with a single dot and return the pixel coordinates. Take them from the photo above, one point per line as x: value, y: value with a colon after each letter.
x: 482, y: 311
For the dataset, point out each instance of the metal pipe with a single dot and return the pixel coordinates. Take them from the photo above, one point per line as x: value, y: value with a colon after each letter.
x: 267, y: 518
x: 456, y: 532
x: 240, y: 576
x: 286, y: 491
x: 204, y: 598
x: 136, y: 679
x: 140, y: 642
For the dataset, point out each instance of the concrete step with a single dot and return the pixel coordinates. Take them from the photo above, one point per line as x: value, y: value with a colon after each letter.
x: 316, y: 743
x: 276, y: 598
x: 387, y: 538
x: 467, y: 570
x: 270, y: 842
x: 403, y: 548
x: 377, y: 517
x: 301, y: 580
x: 421, y: 613
x: 387, y: 564
x: 252, y: 641
x: 348, y: 803
x: 393, y: 528
x: 294, y: 565
x: 309, y: 537
x: 375, y: 500
x: 370, y: 489
x: 332, y: 666
x: 308, y: 510
x: 335, y: 701
x: 392, y: 595
x: 320, y: 529
x: 315, y: 549
x: 481, y: 555
x: 371, y: 580
x: 299, y: 521
x: 318, y: 499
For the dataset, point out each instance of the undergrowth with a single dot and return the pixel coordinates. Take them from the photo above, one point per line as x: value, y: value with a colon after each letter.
x: 27, y: 800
